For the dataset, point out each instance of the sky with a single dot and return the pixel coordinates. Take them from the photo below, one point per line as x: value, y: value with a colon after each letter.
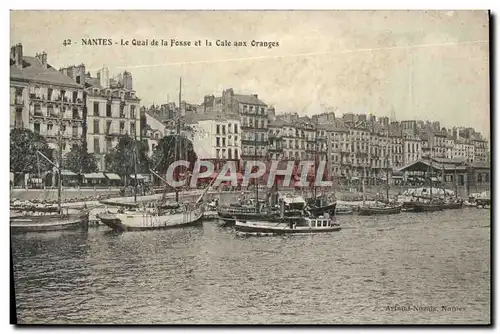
x: 429, y: 65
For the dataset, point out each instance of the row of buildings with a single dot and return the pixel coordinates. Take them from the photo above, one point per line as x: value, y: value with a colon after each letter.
x: 243, y: 127
x: 72, y: 106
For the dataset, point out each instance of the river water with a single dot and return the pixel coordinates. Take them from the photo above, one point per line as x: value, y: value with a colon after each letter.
x: 385, y: 270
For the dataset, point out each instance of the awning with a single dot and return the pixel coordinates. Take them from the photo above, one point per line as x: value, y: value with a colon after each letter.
x: 94, y: 176
x: 66, y: 172
x: 113, y: 176
x: 139, y: 176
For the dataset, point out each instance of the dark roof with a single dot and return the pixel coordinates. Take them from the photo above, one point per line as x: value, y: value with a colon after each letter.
x: 33, y: 70
x: 248, y: 99
x: 424, y: 164
x: 92, y: 82
x: 277, y: 123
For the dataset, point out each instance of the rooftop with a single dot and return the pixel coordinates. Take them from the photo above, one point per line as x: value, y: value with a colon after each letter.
x: 33, y: 70
x: 248, y: 99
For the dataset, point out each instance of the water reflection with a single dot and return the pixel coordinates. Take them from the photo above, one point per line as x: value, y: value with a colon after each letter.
x: 210, y: 275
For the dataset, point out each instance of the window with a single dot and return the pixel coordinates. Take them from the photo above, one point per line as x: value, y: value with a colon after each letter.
x: 217, y: 142
x: 223, y: 141
x: 122, y: 128
x: 38, y: 110
x: 75, y: 96
x: 132, y: 112
x: 229, y: 129
x: 74, y: 131
x: 217, y: 153
x: 96, y: 145
x: 96, y: 126
x: 262, y: 111
x: 49, y: 94
x: 235, y: 139
x: 217, y: 130
x: 262, y: 123
x: 223, y: 129
x: 108, y: 110
x: 78, y: 79
x: 236, y: 128
x: 108, y: 127
x: 49, y: 128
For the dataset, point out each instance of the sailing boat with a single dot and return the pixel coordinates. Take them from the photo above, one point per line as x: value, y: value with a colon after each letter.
x: 157, y: 218
x: 386, y: 208
x: 319, y: 205
x: 51, y: 221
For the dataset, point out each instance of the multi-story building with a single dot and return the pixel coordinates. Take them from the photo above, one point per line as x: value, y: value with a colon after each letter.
x: 412, y: 149
x: 276, y: 139
x: 253, y: 119
x: 481, y: 152
x: 45, y: 101
x: 463, y: 149
x: 217, y: 137
x: 112, y: 110
x: 153, y: 131
x: 338, y: 150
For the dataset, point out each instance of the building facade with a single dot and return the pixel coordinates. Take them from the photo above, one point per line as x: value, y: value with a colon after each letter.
x: 112, y: 110
x: 217, y: 138
x: 45, y: 100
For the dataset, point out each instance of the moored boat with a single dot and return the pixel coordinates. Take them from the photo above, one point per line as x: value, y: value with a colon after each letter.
x: 300, y: 226
x: 427, y: 207
x: 145, y: 220
x: 386, y: 209
x: 343, y: 210
x: 44, y: 223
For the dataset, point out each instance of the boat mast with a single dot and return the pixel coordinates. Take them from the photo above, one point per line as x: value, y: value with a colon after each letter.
x: 315, y: 161
x: 387, y: 168
x: 430, y: 154
x: 178, y: 132
x: 134, y: 153
x: 256, y: 180
x: 59, y: 166
x: 455, y: 181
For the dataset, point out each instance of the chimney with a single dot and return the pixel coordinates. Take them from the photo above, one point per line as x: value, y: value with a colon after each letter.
x: 255, y: 95
x: 16, y: 52
x: 42, y: 57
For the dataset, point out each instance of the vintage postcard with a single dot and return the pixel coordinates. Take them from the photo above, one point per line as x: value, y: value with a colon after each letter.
x: 250, y: 167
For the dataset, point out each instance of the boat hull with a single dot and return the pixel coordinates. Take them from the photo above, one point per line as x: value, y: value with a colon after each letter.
x: 24, y: 224
x: 427, y: 207
x: 281, y: 228
x: 370, y: 211
x: 452, y: 206
x: 318, y: 211
x: 119, y: 222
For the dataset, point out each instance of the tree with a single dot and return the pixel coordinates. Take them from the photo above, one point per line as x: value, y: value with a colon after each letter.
x: 24, y: 144
x: 78, y: 160
x: 164, y: 153
x: 121, y: 159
